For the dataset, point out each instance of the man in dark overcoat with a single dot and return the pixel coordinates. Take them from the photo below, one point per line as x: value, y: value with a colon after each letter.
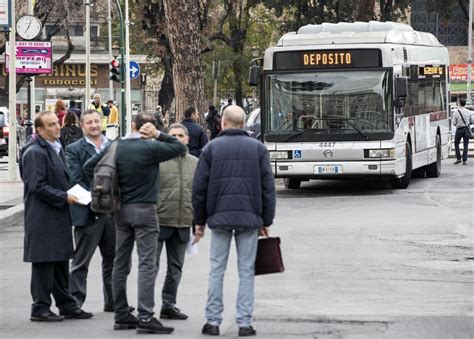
x: 48, y: 235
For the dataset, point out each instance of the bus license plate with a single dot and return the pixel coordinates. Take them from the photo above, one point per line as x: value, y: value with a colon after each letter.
x: 329, y: 169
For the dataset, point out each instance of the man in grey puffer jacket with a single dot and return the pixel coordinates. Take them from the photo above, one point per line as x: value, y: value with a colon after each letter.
x: 175, y: 213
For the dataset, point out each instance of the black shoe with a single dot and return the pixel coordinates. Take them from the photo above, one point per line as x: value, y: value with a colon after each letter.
x: 457, y: 162
x: 209, y: 329
x: 110, y: 308
x: 247, y: 331
x: 128, y: 323
x: 76, y: 314
x: 464, y: 162
x: 172, y: 313
x: 47, y: 316
x: 152, y: 325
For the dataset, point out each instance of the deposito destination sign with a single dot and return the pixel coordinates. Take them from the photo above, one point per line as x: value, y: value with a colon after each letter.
x: 32, y: 57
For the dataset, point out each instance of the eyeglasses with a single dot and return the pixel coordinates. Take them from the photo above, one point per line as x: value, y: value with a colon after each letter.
x: 178, y: 135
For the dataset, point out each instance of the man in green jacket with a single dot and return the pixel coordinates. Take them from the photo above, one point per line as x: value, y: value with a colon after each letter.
x: 175, y: 213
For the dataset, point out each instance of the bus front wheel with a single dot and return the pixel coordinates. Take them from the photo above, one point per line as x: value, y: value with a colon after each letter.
x: 404, y: 181
x: 292, y: 183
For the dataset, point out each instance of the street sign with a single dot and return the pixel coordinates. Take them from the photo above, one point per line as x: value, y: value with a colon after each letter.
x: 5, y: 15
x: 32, y: 57
x: 134, y: 69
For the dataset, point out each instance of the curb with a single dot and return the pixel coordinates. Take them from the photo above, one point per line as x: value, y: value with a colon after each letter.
x: 12, y: 216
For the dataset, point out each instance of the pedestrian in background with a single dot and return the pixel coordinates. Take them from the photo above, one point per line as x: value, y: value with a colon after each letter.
x: 75, y: 109
x: 70, y: 132
x: 103, y: 110
x: 234, y: 193
x: 91, y: 229
x: 60, y: 111
x: 462, y: 118
x: 113, y: 116
x: 175, y: 213
x: 48, y: 235
x: 197, y: 135
x: 213, y: 122
x: 138, y: 161
x: 160, y: 123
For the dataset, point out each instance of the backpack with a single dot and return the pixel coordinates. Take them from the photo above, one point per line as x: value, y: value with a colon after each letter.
x: 105, y: 190
x: 218, y: 125
x: 71, y: 134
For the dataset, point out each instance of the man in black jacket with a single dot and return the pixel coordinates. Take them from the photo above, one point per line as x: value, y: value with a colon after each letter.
x: 138, y: 161
x: 234, y: 193
x: 91, y: 230
x: 48, y: 236
x: 197, y: 136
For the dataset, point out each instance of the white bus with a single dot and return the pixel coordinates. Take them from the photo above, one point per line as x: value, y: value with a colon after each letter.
x: 355, y: 100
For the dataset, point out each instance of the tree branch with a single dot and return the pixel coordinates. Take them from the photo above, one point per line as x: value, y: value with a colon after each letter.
x: 67, y: 55
x: 220, y: 36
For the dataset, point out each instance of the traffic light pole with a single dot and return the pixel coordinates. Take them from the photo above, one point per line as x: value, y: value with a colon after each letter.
x: 122, y: 72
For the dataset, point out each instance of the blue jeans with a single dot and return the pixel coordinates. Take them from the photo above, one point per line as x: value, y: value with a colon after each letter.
x: 246, y: 243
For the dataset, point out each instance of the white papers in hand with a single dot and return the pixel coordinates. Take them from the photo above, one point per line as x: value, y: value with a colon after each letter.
x: 83, y: 195
x: 190, y: 248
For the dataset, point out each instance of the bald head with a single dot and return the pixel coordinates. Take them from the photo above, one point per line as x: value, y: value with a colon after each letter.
x: 233, y: 117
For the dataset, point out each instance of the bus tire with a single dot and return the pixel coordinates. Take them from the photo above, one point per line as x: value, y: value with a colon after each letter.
x: 404, y: 181
x: 292, y: 183
x: 433, y: 170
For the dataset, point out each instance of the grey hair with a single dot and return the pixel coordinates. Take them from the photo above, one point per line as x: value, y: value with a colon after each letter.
x: 178, y: 125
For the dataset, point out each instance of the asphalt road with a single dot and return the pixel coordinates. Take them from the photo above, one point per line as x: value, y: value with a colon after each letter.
x: 362, y: 261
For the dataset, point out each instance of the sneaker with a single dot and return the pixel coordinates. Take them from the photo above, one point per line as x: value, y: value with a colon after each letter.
x: 129, y: 323
x: 457, y: 162
x: 47, y: 316
x: 247, y: 331
x: 152, y: 325
x: 172, y: 313
x: 209, y: 329
x: 76, y: 314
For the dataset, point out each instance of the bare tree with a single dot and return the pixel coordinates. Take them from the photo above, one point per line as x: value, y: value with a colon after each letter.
x: 57, y: 15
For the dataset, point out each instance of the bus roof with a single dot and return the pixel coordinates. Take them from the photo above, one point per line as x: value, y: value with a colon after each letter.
x: 358, y: 33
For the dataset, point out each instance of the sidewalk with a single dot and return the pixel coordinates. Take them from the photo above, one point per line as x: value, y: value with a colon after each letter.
x: 11, y: 198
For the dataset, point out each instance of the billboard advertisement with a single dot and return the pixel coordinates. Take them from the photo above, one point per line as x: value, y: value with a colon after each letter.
x: 32, y: 57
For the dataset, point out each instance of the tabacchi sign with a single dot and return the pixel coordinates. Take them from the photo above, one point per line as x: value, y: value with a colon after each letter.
x: 459, y: 72
x: 32, y: 57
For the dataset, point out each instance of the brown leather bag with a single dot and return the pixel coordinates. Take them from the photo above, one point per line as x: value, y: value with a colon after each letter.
x: 269, y: 258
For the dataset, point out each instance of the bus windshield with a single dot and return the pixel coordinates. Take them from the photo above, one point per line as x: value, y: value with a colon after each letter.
x: 350, y: 105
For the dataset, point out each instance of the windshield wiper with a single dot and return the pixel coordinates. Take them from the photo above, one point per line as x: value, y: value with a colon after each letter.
x: 357, y: 129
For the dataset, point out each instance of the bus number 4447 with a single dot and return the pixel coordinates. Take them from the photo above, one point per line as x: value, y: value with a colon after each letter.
x: 327, y: 144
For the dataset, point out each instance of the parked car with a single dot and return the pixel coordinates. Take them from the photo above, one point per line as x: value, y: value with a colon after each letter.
x: 253, y: 124
x: 5, y: 133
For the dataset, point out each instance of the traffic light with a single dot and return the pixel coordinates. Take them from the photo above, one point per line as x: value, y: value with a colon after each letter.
x: 115, y: 70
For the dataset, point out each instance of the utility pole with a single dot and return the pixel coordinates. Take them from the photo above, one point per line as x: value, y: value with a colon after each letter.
x: 12, y: 99
x: 88, y: 54
x: 215, y: 73
x: 31, y: 116
x: 128, y: 93
x: 109, y: 22
x: 469, y: 55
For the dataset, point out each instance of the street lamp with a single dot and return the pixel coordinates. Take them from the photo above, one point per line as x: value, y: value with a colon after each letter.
x: 115, y: 51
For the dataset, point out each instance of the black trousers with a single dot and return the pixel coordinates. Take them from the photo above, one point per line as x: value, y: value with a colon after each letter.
x: 51, y: 278
x: 87, y: 238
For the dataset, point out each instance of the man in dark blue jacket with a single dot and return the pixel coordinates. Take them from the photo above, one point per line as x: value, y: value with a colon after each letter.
x: 197, y: 136
x: 234, y: 193
x: 91, y: 230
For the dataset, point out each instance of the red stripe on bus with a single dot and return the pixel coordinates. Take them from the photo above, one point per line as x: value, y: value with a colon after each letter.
x: 435, y: 116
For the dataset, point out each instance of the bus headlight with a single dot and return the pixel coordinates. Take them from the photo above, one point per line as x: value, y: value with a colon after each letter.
x: 381, y: 153
x: 278, y: 155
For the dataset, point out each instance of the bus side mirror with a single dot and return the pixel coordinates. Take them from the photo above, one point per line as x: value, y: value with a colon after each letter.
x: 254, y: 75
x: 401, y: 91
